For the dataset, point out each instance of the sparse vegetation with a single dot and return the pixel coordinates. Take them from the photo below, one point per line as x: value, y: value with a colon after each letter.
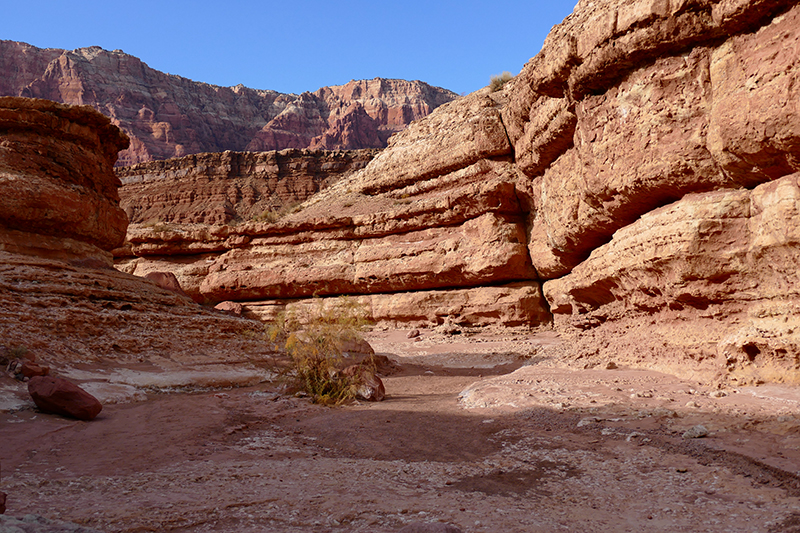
x: 156, y: 225
x: 315, y: 342
x: 497, y: 81
x: 270, y: 215
x: 273, y: 215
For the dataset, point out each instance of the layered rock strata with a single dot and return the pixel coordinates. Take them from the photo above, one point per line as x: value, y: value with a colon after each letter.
x: 642, y: 167
x: 218, y: 188
x: 60, y: 297
x: 168, y: 116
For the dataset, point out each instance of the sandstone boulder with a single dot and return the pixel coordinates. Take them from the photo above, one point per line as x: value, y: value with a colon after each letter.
x: 30, y: 369
x: 368, y: 386
x: 61, y: 397
x: 232, y: 308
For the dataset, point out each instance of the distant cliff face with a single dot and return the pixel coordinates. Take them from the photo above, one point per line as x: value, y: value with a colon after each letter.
x: 168, y: 116
x: 219, y: 188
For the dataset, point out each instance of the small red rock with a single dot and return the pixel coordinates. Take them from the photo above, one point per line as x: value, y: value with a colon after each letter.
x: 3, y: 497
x: 30, y: 369
x: 59, y: 396
x: 368, y: 386
x: 232, y: 308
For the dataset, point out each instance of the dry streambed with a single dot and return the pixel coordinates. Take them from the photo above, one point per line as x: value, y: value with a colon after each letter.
x: 487, y: 433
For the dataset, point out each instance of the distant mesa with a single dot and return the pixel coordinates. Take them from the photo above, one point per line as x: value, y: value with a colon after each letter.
x: 168, y: 116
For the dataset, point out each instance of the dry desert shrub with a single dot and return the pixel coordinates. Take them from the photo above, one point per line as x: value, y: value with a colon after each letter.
x: 497, y: 81
x: 315, y: 340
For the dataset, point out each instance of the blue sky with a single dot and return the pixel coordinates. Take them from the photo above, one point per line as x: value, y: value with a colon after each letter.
x: 296, y: 46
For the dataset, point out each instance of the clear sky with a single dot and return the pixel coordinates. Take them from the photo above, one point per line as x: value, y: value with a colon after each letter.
x: 301, y: 45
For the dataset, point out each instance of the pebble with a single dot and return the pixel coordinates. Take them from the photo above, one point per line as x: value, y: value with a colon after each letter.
x: 695, y: 432
x: 587, y: 421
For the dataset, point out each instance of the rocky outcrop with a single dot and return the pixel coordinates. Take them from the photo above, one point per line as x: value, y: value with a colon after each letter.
x: 713, y: 277
x: 222, y: 187
x: 55, y: 155
x: 60, y: 296
x: 168, y: 116
x: 642, y: 168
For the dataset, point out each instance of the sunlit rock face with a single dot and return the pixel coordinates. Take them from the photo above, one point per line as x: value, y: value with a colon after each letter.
x: 640, y: 173
x: 167, y: 116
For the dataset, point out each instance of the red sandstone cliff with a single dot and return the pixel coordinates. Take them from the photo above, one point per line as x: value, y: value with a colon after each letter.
x: 169, y: 116
x: 219, y: 188
x: 60, y: 296
x: 636, y: 186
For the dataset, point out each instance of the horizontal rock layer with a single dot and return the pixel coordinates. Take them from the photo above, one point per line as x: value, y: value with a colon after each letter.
x: 60, y: 296
x: 643, y: 166
x: 56, y: 173
x: 218, y: 188
x: 515, y: 304
x: 169, y: 116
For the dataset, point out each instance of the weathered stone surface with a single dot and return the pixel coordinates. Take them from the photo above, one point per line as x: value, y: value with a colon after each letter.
x: 515, y: 304
x: 38, y: 524
x: 69, y: 316
x: 354, y: 243
x: 30, y: 369
x: 222, y: 187
x: 715, y: 277
x: 429, y: 527
x: 56, y: 155
x: 169, y: 116
x: 755, y: 121
x: 166, y: 280
x: 468, y: 130
x: 483, y: 250
x: 232, y: 308
x: 59, y: 294
x: 61, y: 397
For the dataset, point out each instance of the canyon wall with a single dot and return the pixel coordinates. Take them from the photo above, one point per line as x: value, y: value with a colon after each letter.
x: 168, y: 116
x: 60, y: 297
x: 218, y: 188
x: 635, y: 186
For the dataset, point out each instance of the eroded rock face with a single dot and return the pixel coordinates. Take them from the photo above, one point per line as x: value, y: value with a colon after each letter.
x: 167, y: 116
x: 713, y: 275
x: 55, y: 155
x: 642, y: 167
x: 59, y: 215
x: 456, y: 233
x: 222, y: 187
